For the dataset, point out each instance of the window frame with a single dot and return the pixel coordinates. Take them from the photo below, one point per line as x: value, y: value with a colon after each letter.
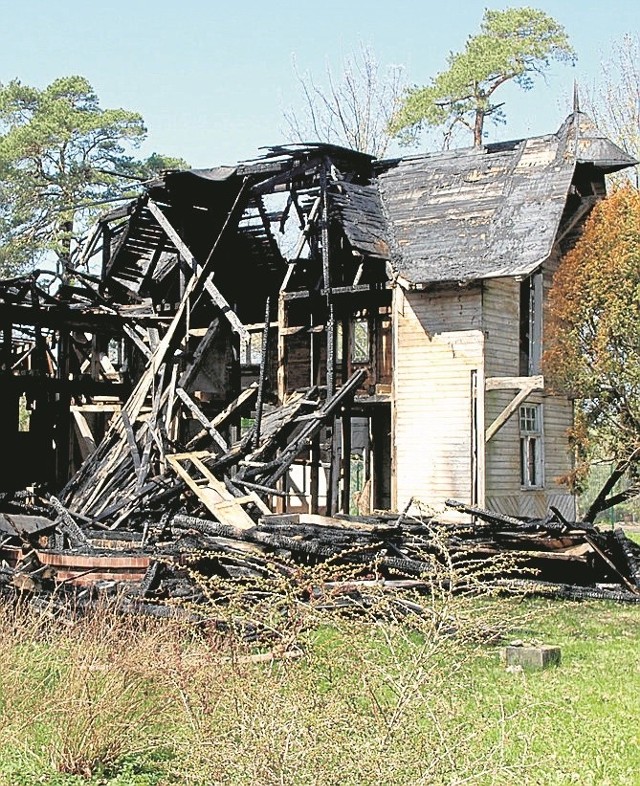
x: 531, y: 430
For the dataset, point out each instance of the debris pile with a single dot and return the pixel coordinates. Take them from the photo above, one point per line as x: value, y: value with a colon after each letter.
x: 171, y: 558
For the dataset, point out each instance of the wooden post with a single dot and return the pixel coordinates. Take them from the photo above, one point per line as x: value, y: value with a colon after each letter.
x: 346, y: 460
x: 326, y: 277
x: 474, y: 437
x: 314, y: 485
x: 63, y: 426
x: 282, y: 323
x: 106, y: 248
x: 333, y: 483
x: 263, y: 371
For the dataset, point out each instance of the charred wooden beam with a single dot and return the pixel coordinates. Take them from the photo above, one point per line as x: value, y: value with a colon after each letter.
x: 263, y: 371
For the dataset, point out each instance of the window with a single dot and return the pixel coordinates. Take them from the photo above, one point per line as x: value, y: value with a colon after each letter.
x: 360, y: 351
x: 251, y: 350
x: 531, y: 291
x: 531, y: 459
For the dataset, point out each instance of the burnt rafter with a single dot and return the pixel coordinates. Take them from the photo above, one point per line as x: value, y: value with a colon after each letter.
x: 200, y: 277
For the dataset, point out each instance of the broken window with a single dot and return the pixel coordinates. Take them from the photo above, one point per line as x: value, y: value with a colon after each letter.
x: 531, y: 325
x: 251, y: 350
x: 531, y: 456
x: 360, y: 350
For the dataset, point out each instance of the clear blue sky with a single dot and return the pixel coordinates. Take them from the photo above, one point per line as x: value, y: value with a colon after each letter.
x: 211, y: 78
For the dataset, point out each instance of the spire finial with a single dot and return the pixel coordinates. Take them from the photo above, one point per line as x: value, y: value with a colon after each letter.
x: 576, y: 97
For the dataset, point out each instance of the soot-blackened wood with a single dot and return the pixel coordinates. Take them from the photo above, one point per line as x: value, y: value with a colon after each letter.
x: 333, y: 480
x: 201, y: 278
x: 257, y: 487
x: 485, y: 515
x: 109, y: 451
x: 263, y: 372
x: 201, y: 418
x: 627, y: 549
x: 222, y: 418
x: 146, y: 455
x: 67, y: 523
x: 346, y: 459
x: 133, y: 447
x: 304, y: 438
x: 601, y: 502
x: 610, y: 564
x: 151, y: 579
x: 632, y: 561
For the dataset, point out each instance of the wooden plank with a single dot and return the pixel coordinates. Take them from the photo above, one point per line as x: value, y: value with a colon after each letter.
x: 86, y: 442
x: 131, y: 440
x: 213, y: 493
x: 263, y: 373
x: 67, y: 523
x: 137, y: 340
x: 105, y: 408
x: 508, y: 411
x: 199, y: 416
x: 222, y: 417
x: 514, y: 383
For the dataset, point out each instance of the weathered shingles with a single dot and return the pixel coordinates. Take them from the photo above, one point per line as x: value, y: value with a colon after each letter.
x: 360, y: 213
x: 476, y: 213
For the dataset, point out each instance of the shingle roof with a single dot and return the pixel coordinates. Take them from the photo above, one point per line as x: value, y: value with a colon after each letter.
x: 487, y: 211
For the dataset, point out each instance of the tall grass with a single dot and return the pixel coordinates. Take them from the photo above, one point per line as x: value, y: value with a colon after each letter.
x: 366, y: 701
x: 76, y: 697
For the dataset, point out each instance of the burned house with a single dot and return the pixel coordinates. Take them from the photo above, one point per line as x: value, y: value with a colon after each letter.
x: 313, y: 330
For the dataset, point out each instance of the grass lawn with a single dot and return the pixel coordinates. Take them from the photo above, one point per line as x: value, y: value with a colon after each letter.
x: 119, y: 704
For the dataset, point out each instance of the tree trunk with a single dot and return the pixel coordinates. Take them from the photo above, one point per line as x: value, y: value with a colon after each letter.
x: 64, y: 254
x: 478, y: 128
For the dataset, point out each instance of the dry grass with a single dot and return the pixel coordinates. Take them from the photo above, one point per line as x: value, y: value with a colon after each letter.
x: 363, y: 703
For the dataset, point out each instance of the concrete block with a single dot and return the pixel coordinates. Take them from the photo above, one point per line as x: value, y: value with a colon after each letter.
x: 533, y: 657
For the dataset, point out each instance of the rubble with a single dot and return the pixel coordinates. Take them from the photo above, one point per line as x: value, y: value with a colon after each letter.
x: 174, y: 555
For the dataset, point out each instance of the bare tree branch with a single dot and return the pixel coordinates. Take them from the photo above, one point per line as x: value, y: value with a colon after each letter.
x: 353, y: 109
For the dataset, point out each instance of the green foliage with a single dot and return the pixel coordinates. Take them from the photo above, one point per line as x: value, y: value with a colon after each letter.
x: 60, y: 154
x: 513, y: 45
x: 593, y: 335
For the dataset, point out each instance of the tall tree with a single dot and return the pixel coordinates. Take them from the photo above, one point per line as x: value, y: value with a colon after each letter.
x: 614, y: 101
x: 62, y: 157
x: 353, y: 109
x: 512, y: 45
x: 593, y: 332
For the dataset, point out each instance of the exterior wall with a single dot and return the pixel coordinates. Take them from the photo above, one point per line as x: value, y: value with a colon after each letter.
x: 438, y: 343
x: 504, y: 492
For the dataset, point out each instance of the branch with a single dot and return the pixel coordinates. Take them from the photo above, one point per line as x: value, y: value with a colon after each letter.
x: 601, y: 502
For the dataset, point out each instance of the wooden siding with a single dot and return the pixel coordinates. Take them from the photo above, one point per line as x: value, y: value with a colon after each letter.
x: 501, y: 326
x: 502, y: 457
x: 438, y: 341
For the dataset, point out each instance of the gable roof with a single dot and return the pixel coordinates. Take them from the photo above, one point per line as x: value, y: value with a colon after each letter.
x: 487, y: 211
